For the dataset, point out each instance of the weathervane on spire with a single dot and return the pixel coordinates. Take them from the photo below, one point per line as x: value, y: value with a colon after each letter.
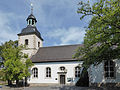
x: 31, y: 8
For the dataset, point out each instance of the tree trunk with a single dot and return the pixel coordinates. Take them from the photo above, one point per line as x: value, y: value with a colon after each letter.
x: 26, y: 81
x: 84, y: 79
x: 9, y: 82
x: 17, y: 83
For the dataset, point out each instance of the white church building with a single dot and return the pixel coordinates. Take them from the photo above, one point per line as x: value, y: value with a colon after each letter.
x: 55, y: 65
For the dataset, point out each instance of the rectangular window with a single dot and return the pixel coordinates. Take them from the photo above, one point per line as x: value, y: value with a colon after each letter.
x: 109, y: 69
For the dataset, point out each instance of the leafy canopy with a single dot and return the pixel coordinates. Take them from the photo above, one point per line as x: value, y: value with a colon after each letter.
x: 102, y: 38
x: 14, y: 67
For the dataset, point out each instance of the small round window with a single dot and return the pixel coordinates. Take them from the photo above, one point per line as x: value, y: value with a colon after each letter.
x: 62, y: 68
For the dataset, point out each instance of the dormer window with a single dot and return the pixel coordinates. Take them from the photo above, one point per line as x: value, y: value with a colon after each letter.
x: 26, y: 41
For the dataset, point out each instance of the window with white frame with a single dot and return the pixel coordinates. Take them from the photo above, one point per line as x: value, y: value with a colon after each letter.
x: 109, y: 69
x: 77, y: 71
x: 48, y: 72
x: 35, y: 72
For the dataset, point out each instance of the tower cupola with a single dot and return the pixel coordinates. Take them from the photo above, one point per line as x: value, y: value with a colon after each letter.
x: 31, y: 20
x: 30, y: 36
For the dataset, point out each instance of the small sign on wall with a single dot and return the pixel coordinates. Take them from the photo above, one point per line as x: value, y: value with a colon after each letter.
x: 69, y: 79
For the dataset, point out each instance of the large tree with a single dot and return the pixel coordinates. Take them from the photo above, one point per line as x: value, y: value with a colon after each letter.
x: 16, y: 64
x: 102, y: 38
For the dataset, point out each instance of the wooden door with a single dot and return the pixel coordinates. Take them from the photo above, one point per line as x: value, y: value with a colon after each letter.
x: 62, y: 79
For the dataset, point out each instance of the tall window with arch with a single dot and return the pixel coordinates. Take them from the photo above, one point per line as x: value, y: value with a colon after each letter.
x: 48, y: 72
x: 77, y: 71
x: 32, y: 22
x: 35, y: 72
x: 26, y: 41
x: 109, y: 69
x: 38, y: 44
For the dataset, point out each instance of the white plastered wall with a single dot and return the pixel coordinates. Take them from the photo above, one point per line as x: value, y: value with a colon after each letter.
x: 70, y: 67
x: 97, y: 73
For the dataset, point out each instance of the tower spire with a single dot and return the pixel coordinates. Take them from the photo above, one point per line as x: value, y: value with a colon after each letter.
x: 31, y: 20
x: 31, y: 8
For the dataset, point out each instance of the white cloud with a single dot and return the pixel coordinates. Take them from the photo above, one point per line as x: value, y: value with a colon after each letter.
x: 54, y: 16
x: 8, y: 31
x: 51, y: 14
x: 51, y: 11
x: 68, y: 36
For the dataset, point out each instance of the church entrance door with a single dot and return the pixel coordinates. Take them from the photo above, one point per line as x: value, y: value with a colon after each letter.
x: 62, y: 79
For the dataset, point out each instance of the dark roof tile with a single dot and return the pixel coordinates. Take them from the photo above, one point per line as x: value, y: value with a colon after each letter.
x: 55, y: 53
x: 30, y: 30
x: 31, y: 16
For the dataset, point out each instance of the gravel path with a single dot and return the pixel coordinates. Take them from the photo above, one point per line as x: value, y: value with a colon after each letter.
x: 57, y: 88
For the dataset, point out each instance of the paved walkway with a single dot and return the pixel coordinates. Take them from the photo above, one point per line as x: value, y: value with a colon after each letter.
x: 56, y: 88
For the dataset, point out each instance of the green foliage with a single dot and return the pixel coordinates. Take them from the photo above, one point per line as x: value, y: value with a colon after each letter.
x: 14, y: 67
x: 102, y: 38
x: 28, y: 64
x: 2, y: 74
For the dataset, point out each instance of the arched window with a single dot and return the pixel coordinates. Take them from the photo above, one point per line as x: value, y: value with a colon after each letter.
x: 38, y: 44
x: 109, y: 69
x: 77, y: 71
x: 26, y: 41
x: 29, y: 22
x: 35, y: 72
x: 48, y: 72
x: 62, y: 68
x: 32, y: 22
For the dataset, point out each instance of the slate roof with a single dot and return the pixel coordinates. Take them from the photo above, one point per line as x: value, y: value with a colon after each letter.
x: 55, y: 53
x: 30, y: 30
x: 31, y: 16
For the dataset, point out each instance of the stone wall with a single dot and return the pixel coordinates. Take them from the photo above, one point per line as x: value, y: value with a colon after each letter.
x: 32, y: 46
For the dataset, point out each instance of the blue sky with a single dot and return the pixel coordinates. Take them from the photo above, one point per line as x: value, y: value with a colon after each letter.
x: 58, y: 21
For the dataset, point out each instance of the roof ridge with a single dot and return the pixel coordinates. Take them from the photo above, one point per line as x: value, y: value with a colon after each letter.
x: 62, y: 46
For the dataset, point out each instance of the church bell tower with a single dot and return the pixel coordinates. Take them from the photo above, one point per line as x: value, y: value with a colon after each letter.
x: 30, y: 36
